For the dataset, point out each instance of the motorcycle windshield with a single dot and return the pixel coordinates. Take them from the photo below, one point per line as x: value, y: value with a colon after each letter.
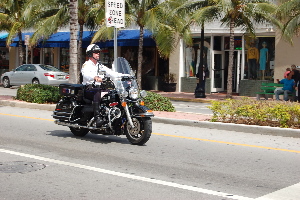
x: 122, y: 84
x: 122, y: 66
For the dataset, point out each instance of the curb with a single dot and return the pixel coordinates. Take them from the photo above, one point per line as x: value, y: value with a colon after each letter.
x: 48, y: 107
x: 263, y: 130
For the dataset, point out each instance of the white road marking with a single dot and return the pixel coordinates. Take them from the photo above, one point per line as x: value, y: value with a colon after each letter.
x: 130, y: 176
x: 288, y: 193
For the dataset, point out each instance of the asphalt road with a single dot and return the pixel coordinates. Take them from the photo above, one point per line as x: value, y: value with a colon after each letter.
x: 41, y: 160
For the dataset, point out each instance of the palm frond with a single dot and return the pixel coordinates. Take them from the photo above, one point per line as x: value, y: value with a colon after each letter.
x: 103, y: 34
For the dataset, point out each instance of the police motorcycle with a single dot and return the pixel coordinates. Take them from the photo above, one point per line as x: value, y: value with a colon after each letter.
x: 122, y: 109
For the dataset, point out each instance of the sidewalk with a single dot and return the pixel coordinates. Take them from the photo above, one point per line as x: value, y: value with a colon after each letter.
x: 185, y: 96
x: 188, y: 97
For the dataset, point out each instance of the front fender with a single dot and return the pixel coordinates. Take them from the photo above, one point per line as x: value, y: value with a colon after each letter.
x: 142, y: 111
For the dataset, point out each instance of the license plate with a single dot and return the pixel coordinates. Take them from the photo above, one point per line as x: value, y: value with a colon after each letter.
x: 60, y: 76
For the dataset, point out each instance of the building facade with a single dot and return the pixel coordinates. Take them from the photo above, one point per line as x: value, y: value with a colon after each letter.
x: 274, y: 55
x: 254, y: 58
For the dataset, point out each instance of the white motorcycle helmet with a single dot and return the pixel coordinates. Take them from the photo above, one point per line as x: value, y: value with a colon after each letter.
x: 91, y: 48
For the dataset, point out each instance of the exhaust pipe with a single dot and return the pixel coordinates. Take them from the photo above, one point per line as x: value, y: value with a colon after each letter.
x: 74, y: 125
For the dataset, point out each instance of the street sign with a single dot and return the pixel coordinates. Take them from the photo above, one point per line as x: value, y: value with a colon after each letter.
x: 115, y: 13
x: 27, y: 37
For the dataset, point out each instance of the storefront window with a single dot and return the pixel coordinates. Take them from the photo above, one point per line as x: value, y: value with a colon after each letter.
x: 4, y: 58
x: 193, y: 58
x: 36, y: 56
x: 27, y: 57
x: 107, y: 56
x: 260, y: 58
x: 237, y: 43
x: 218, y: 43
x: 130, y: 54
x: 64, y: 59
x: 48, y: 56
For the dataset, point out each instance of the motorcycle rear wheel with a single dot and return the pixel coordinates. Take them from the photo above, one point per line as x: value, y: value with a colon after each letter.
x: 80, y: 132
x: 141, y: 132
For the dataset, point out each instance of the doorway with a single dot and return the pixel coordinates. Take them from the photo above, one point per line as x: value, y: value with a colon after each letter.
x: 218, y: 72
x: 237, y: 70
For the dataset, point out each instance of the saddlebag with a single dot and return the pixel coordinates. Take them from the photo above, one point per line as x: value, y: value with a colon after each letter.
x: 70, y: 89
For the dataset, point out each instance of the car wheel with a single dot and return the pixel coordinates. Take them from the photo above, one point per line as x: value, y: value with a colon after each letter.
x: 35, y: 81
x: 6, y: 82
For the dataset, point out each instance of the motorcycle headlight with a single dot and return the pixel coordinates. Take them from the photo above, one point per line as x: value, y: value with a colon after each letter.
x: 133, y: 93
x: 143, y: 93
x: 124, y: 94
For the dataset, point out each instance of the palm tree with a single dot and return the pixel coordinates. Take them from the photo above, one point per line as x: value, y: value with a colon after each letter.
x: 289, y: 13
x: 158, y: 17
x: 200, y: 12
x: 49, y: 16
x: 89, y: 13
x: 236, y: 14
x: 73, y: 13
x: 12, y: 21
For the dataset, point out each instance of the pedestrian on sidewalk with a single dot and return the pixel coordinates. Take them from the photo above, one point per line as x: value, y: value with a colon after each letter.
x: 288, y: 70
x: 288, y: 87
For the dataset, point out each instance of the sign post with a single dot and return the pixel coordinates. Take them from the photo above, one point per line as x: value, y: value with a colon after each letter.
x: 115, y: 17
x: 27, y: 37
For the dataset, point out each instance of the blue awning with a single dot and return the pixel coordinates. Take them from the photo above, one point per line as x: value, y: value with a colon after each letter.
x: 62, y: 39
x: 130, y: 38
x: 3, y: 37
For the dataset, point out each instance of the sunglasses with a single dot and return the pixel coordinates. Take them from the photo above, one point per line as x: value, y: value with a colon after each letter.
x: 96, y: 51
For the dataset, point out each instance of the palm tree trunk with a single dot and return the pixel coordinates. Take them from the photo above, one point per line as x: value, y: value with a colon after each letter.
x: 140, y: 57
x: 20, y: 48
x: 79, y: 51
x: 73, y: 9
x: 230, y: 64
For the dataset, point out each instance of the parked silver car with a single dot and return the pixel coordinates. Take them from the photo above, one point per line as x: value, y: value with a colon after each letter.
x: 34, y: 74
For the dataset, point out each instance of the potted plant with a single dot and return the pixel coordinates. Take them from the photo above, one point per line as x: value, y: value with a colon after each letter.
x: 169, y: 80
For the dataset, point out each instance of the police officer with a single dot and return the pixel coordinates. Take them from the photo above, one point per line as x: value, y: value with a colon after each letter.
x: 92, y: 74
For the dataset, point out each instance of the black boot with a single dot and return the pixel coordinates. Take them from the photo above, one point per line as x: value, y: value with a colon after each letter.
x: 98, y: 120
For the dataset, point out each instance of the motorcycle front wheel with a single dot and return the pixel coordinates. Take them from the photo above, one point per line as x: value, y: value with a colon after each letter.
x: 141, y: 132
x: 80, y: 132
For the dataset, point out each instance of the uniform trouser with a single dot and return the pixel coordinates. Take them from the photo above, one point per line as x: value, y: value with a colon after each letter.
x: 252, y: 69
x: 96, y: 102
x: 95, y: 94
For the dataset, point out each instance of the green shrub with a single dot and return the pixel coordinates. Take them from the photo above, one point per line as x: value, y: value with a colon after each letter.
x: 264, y: 113
x: 38, y: 93
x: 158, y: 102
